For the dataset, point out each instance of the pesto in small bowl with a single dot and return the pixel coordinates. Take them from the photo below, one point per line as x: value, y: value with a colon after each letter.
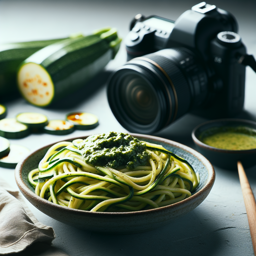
x: 226, y: 141
x: 230, y: 138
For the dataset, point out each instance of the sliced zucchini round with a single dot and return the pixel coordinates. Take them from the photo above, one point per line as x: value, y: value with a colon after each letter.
x: 17, y: 153
x: 32, y: 120
x: 83, y: 121
x: 3, y: 111
x: 4, y: 147
x: 59, y: 127
x: 11, y: 129
x: 35, y: 84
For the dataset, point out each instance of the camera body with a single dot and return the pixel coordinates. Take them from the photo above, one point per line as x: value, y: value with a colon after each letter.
x: 209, y: 35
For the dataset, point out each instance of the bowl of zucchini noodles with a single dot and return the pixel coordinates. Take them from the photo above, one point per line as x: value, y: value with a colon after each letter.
x: 77, y: 184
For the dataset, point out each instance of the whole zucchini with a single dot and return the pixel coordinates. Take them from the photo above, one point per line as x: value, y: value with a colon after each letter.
x: 61, y: 68
x: 11, y: 56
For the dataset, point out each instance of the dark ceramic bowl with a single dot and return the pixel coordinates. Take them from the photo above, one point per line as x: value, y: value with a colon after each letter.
x: 126, y: 222
x: 226, y: 159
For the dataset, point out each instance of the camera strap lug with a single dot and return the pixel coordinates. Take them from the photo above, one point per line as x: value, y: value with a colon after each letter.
x: 247, y: 60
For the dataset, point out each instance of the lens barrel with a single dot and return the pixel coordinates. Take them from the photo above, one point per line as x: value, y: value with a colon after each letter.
x: 150, y: 92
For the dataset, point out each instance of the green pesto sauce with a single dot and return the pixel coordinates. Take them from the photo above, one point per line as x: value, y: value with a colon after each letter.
x: 231, y: 141
x: 114, y: 150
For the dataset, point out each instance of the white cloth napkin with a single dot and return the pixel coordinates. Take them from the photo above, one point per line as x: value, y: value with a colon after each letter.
x: 19, y: 228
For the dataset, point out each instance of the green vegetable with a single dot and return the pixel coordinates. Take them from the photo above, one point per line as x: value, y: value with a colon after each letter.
x: 11, y: 56
x: 83, y: 121
x: 178, y: 159
x: 59, y: 127
x: 114, y: 150
x: 35, y: 121
x: 17, y: 153
x: 61, y: 68
x: 158, y: 179
x: 11, y: 129
x: 3, y: 111
x: 52, y: 164
x: 4, y: 147
x: 63, y: 177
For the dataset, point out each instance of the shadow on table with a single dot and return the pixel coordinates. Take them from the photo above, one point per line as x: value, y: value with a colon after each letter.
x: 84, y: 93
x: 247, y: 115
x: 191, y: 234
x: 181, y: 130
x: 233, y: 174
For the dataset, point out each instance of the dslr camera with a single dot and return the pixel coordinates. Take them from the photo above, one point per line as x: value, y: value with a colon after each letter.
x: 194, y: 64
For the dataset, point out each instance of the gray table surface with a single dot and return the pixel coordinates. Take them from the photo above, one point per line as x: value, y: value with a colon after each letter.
x: 219, y: 225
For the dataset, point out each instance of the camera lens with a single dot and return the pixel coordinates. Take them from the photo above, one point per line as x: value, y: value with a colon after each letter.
x: 150, y: 92
x: 139, y: 99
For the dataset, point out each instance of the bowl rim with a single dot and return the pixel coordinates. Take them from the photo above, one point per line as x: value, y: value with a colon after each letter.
x: 207, y: 187
x: 218, y: 121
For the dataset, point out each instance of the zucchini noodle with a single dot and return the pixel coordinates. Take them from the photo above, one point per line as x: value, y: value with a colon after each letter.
x: 63, y: 177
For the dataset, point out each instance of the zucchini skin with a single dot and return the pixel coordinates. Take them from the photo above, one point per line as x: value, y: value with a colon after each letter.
x: 15, y: 135
x: 10, y: 134
x: 72, y: 62
x: 49, y: 130
x: 34, y: 127
x: 18, y: 151
x: 31, y: 123
x: 161, y: 149
x: 3, y: 113
x: 79, y: 124
x: 4, y: 149
x: 11, y: 56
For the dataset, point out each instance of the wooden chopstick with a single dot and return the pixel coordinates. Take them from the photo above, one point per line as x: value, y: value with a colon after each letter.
x: 249, y: 202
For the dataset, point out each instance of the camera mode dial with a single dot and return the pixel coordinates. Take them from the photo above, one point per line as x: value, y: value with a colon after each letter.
x: 139, y: 40
x: 147, y: 35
